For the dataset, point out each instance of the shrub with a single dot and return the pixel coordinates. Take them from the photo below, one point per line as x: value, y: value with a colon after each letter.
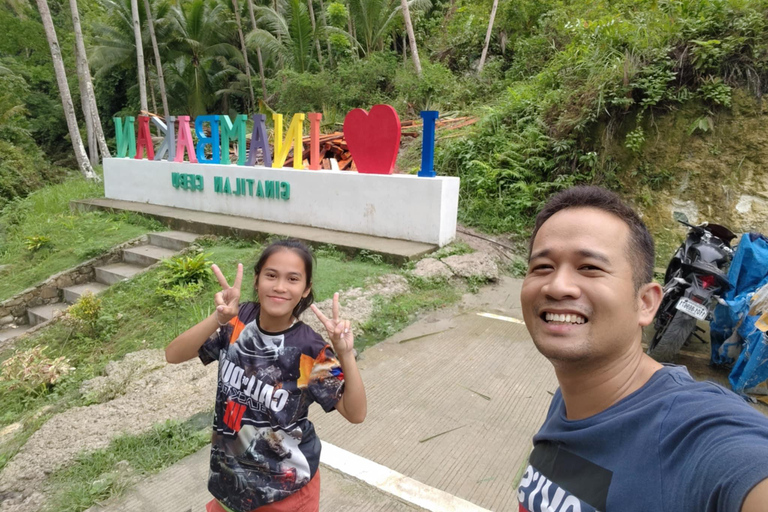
x: 32, y: 371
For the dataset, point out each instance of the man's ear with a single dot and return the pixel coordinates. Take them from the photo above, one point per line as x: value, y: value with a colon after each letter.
x: 648, y: 300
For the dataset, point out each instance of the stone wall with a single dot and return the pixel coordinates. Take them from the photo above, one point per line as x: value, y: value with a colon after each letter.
x: 14, y: 310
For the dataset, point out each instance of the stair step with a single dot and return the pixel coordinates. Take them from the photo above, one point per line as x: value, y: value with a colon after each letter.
x: 116, y: 272
x: 146, y: 255
x: 7, y: 334
x: 73, y: 293
x: 44, y: 313
x: 174, y: 240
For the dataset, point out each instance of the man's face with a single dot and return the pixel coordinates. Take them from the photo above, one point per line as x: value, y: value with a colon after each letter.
x: 578, y: 298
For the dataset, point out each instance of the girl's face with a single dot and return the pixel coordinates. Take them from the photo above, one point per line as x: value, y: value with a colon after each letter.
x: 280, y: 285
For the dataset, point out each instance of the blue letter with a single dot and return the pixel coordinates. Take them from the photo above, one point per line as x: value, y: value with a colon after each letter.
x: 213, y: 140
x: 428, y: 143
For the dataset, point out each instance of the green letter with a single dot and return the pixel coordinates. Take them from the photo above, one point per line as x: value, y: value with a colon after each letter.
x: 175, y: 179
x: 229, y: 131
x: 285, y: 192
x: 125, y: 137
x: 218, y: 184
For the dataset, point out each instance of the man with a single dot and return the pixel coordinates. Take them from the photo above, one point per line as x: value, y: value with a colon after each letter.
x: 624, y: 433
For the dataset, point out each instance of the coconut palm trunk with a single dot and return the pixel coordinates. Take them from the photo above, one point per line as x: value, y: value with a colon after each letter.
x: 488, y: 36
x: 258, y: 53
x: 236, y: 8
x: 314, y: 33
x: 158, y: 62
x: 66, y: 97
x: 325, y: 26
x: 139, y: 55
x: 411, y: 37
x: 93, y: 126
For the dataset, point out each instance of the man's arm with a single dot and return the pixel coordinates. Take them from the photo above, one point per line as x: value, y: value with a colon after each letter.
x: 757, y: 499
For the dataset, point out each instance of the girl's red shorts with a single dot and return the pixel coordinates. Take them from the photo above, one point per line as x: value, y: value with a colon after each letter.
x: 306, y: 499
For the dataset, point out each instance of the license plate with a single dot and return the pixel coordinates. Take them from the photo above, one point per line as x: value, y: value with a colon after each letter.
x: 695, y: 310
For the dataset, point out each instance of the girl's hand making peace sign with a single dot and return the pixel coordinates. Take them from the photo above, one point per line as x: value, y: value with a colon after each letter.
x: 228, y: 299
x: 339, y: 331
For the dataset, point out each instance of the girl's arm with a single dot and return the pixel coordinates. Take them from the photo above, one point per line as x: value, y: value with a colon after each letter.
x: 186, y: 344
x: 353, y: 404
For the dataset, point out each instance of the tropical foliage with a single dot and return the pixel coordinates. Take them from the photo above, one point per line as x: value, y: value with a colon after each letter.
x: 562, y: 81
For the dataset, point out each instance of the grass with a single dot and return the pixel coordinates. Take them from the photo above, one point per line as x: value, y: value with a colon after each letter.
x: 69, y: 237
x: 99, y: 475
x: 134, y: 317
x: 394, y: 314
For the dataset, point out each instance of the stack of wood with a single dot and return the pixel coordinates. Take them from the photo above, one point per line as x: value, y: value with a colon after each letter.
x: 333, y: 145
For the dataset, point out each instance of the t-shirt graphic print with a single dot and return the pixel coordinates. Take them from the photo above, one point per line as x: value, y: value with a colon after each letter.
x: 263, y: 446
x: 557, y: 480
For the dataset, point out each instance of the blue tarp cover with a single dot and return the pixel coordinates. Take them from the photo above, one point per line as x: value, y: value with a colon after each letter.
x: 748, y: 349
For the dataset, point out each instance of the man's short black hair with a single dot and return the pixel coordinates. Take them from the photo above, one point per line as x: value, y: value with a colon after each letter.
x: 640, y: 248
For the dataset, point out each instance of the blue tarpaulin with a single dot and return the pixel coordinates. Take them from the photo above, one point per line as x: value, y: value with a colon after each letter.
x: 735, y: 339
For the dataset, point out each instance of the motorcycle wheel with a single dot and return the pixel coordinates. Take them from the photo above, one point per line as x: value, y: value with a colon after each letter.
x: 668, y: 340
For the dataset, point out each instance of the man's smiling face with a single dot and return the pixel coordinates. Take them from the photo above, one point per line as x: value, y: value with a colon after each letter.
x: 579, y: 299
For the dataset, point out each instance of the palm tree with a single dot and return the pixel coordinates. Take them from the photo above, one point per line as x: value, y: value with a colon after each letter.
x: 258, y: 52
x: 66, y: 97
x: 204, y: 62
x: 488, y: 36
x: 411, y: 37
x: 158, y: 61
x: 139, y: 55
x: 289, y: 36
x: 236, y: 9
x: 314, y: 32
x: 373, y: 19
x: 325, y: 29
x: 96, y: 140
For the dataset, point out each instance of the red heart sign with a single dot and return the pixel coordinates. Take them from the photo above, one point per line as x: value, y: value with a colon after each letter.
x: 373, y: 138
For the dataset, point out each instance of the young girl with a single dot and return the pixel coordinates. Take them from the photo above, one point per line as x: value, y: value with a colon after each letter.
x: 264, y: 451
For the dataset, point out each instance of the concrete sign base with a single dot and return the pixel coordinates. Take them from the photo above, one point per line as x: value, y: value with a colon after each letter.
x: 393, y: 206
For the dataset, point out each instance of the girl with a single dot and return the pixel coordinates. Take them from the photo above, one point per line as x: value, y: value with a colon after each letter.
x: 264, y: 451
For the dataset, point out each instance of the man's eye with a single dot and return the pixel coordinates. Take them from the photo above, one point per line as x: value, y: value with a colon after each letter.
x: 540, y: 268
x: 590, y: 267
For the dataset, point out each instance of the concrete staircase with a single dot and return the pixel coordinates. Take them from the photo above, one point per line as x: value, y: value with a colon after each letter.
x: 135, y: 261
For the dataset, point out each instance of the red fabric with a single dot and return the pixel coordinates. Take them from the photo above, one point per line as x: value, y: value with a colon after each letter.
x: 307, y: 499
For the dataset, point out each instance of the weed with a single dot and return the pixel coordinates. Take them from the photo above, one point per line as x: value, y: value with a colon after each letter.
x: 391, y: 315
x: 99, y: 475
x: 32, y: 372
x: 35, y: 243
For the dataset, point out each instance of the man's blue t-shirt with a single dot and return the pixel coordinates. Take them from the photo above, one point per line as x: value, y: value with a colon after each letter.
x: 674, y: 445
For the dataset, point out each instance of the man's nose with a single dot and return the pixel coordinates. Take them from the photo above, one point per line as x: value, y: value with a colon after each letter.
x: 562, y: 284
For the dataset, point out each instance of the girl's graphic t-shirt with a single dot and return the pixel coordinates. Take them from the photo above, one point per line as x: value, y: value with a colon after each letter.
x: 263, y: 447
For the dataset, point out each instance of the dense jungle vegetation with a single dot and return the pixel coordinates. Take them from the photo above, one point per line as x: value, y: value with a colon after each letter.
x: 570, y: 91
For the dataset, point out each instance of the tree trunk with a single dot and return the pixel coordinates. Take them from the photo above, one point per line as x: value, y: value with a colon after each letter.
x: 139, y: 55
x: 90, y: 110
x: 258, y: 54
x: 405, y: 48
x: 236, y: 8
x: 353, y: 33
x: 488, y: 36
x: 325, y: 26
x: 85, y: 104
x: 66, y: 98
x: 314, y: 33
x: 158, y: 62
x: 411, y: 37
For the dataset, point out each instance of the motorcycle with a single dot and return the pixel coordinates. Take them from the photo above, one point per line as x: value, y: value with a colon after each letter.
x: 694, y: 280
